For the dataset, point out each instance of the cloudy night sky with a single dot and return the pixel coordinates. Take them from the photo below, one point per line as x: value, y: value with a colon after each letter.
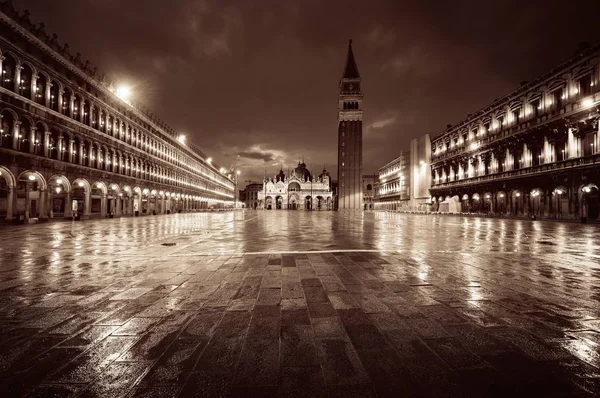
x: 255, y: 82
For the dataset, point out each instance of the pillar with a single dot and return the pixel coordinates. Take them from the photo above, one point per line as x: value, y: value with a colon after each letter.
x: 48, y: 94
x: 60, y: 100
x: 32, y: 139
x: 71, y: 105
x: 86, y: 205
x: 15, y: 134
x: 43, y: 203
x: 33, y: 86
x: 103, y: 207
x: 70, y: 148
x: 68, y: 211
x: 81, y: 110
x: 81, y: 147
x: 118, y: 204
x: 10, y: 198
x: 27, y: 200
x: 17, y: 81
x: 46, y: 138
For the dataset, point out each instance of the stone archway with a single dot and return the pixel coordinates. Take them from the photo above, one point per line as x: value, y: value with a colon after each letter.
x: 268, y: 203
x: 590, y: 202
x: 31, y: 195
x: 279, y: 203
x: 7, y: 193
x: 59, y: 196
x: 80, y: 197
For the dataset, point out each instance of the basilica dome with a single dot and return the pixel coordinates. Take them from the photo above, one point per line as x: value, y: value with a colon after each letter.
x: 302, y: 172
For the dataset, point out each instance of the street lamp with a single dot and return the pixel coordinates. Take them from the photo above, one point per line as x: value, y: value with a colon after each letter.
x: 123, y: 92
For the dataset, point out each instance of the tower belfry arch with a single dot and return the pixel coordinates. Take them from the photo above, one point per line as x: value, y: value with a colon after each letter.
x: 350, y: 117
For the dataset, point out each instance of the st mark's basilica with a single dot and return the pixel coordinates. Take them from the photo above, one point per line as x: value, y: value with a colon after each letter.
x: 298, y: 189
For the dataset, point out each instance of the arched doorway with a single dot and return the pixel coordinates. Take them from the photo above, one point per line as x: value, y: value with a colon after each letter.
x: 560, y: 202
x: 269, y: 203
x: 31, y: 195
x: 501, y: 201
x: 308, y: 203
x: 464, y: 204
x: 293, y: 202
x: 59, y: 190
x: 80, y: 198
x: 279, y: 202
x: 7, y: 194
x: 590, y: 201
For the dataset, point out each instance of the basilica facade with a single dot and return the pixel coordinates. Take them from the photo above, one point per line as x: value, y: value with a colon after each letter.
x: 297, y: 190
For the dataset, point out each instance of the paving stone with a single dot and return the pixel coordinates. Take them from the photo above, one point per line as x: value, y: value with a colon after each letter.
x: 298, y: 346
x: 259, y: 363
x: 110, y: 312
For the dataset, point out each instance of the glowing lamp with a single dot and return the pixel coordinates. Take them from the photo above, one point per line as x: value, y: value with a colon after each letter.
x: 587, y: 102
x: 123, y: 92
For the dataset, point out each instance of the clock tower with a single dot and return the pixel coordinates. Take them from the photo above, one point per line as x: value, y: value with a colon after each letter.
x: 350, y: 116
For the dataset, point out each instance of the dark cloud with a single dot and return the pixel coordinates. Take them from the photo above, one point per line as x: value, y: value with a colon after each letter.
x: 233, y: 73
x: 264, y: 156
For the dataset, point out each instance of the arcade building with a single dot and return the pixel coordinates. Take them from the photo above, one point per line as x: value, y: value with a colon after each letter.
x: 533, y: 152
x: 73, y: 143
x: 297, y: 190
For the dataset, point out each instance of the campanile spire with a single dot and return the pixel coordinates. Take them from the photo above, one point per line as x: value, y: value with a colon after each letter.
x: 350, y: 117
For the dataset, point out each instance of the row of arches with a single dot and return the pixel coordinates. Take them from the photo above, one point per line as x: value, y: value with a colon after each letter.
x: 557, y: 202
x: 30, y: 194
x: 23, y: 78
x: 556, y: 145
x: 574, y: 85
x: 295, y: 202
x: 23, y: 134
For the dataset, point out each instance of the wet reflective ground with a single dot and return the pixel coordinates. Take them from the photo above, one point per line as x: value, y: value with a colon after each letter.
x: 300, y: 304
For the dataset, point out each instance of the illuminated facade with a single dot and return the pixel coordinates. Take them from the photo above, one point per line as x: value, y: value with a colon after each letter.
x: 420, y: 179
x: 533, y: 152
x: 70, y: 140
x: 298, y: 190
x: 392, y: 192
x: 369, y: 181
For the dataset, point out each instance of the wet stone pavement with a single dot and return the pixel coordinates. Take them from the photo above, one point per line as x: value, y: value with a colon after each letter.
x: 300, y: 304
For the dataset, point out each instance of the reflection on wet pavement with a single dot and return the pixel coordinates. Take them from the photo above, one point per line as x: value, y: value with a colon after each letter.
x: 300, y: 303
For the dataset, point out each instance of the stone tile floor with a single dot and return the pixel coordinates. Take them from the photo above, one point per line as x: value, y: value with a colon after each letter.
x: 300, y: 304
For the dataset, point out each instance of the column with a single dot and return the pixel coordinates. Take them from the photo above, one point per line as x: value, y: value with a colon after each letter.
x: 27, y: 200
x: 16, y: 130
x: 86, y: 205
x: 43, y: 203
x: 33, y: 86
x: 9, y: 202
x: 32, y: 139
x: 71, y: 104
x: 103, y: 208
x: 59, y: 105
x: 17, y: 81
x: 70, y: 148
x: 118, y: 204
x: 46, y: 144
x: 68, y: 211
x: 48, y: 94
x: 81, y: 148
x: 81, y: 110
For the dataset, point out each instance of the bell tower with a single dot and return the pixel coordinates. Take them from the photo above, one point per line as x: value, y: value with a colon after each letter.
x: 350, y: 116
